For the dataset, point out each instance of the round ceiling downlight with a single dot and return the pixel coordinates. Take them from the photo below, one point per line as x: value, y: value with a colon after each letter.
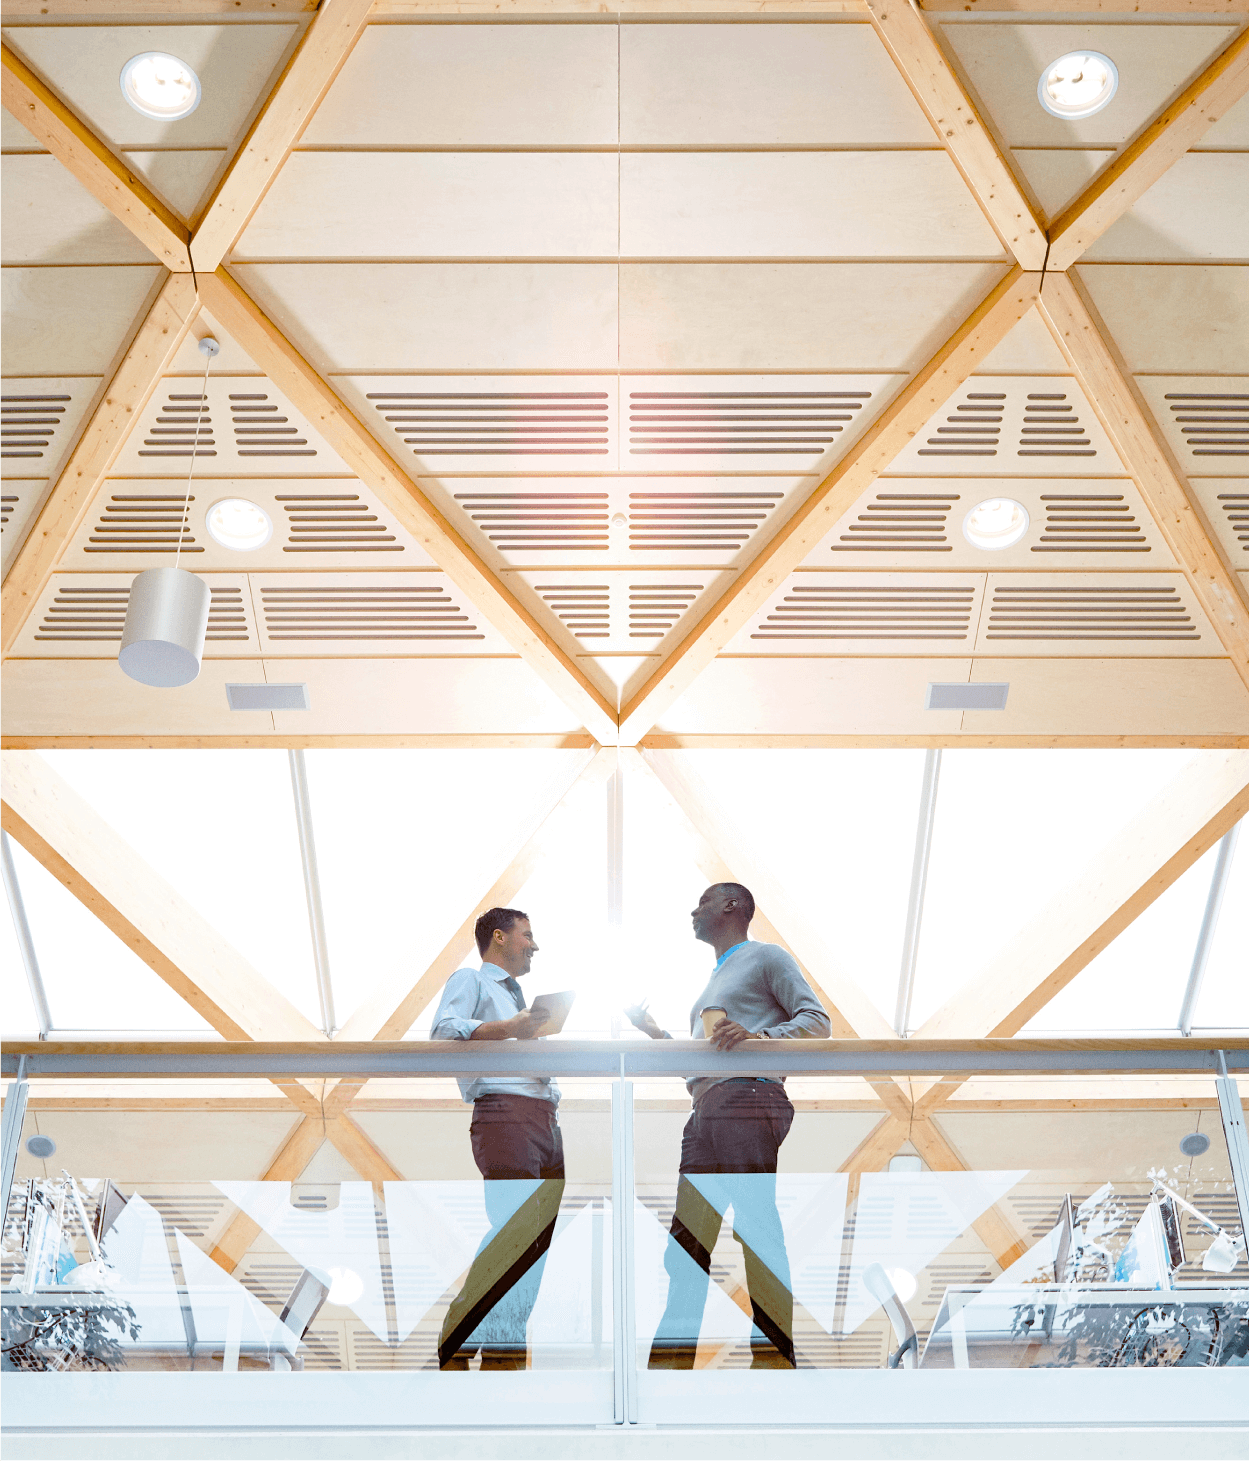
x: 1078, y: 84
x: 236, y: 523
x: 160, y: 86
x: 996, y: 523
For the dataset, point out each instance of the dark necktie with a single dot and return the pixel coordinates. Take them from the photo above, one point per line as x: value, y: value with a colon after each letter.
x: 514, y: 990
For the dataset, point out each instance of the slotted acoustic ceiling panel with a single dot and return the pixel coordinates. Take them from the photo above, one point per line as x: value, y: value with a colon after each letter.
x: 907, y: 522
x: 239, y: 426
x: 80, y: 616
x: 19, y: 502
x: 1205, y: 420
x: 1008, y: 426
x: 1226, y: 504
x: 40, y: 420
x: 624, y: 613
x: 335, y: 522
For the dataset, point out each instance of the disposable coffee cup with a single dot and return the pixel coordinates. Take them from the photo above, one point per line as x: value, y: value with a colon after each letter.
x: 712, y: 1016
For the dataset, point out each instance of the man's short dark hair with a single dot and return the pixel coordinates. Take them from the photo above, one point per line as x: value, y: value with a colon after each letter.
x: 504, y: 918
x: 743, y: 895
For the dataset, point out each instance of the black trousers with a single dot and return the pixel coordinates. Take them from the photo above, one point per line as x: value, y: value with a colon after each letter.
x: 728, y: 1159
x: 516, y: 1139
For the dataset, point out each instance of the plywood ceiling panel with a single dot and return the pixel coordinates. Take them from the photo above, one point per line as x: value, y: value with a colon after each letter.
x: 1058, y: 175
x: 833, y: 317
x: 20, y: 499
x: 1004, y: 62
x: 380, y: 205
x: 473, y: 85
x: 916, y: 522
x: 1232, y: 128
x: 1028, y: 349
x: 364, y: 317
x: 50, y: 218
x: 1175, y: 318
x: 799, y: 204
x: 233, y: 359
x: 1225, y: 501
x: 14, y: 137
x: 83, y: 63
x: 40, y: 420
x: 181, y: 178
x: 768, y: 85
x: 70, y: 321
x: 1196, y: 210
x: 1205, y: 420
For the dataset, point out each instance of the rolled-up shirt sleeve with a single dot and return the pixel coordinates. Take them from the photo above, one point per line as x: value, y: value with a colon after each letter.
x: 454, y: 1020
x: 808, y: 1019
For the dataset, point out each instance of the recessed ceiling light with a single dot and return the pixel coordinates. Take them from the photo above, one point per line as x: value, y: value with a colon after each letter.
x: 159, y: 85
x: 236, y: 523
x: 903, y: 1281
x: 997, y: 522
x: 1078, y: 84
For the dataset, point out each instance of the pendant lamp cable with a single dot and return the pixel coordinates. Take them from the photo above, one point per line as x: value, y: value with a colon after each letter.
x: 208, y: 348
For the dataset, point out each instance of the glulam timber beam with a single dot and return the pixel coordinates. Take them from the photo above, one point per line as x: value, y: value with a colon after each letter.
x: 140, y: 371
x: 316, y: 400
x: 104, y: 175
x: 931, y: 386
x: 1138, y: 167
x: 303, y: 1142
x: 1232, y: 8
x: 1085, y: 342
x: 326, y: 44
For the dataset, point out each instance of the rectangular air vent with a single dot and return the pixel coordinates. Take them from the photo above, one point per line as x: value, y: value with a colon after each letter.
x: 513, y: 423
x: 334, y: 522
x: 892, y: 611
x: 583, y: 609
x: 403, y: 612
x: 538, y: 522
x: 143, y: 522
x: 263, y: 696
x: 900, y: 522
x: 684, y: 520
x: 29, y: 426
x: 82, y: 615
x: 1090, y: 522
x: 655, y: 608
x: 983, y: 696
x: 740, y: 422
x: 1084, y: 613
x: 1212, y: 423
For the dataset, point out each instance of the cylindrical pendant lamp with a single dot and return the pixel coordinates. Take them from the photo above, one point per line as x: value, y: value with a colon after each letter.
x: 166, y: 620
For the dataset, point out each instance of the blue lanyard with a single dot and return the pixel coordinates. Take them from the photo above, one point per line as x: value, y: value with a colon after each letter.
x: 727, y: 952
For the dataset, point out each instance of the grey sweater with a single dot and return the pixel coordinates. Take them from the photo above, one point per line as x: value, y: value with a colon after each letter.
x: 761, y: 988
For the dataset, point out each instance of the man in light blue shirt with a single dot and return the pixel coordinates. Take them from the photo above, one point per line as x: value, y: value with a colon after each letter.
x: 517, y: 1146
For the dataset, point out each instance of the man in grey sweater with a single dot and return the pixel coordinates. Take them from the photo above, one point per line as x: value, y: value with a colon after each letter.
x: 730, y: 1143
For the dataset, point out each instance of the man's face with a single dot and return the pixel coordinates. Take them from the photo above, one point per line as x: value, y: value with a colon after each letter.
x: 517, y: 943
x: 706, y: 917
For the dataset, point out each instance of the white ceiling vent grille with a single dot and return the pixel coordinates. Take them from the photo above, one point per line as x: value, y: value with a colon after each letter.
x: 1090, y: 522
x: 408, y: 612
x: 900, y: 522
x: 31, y: 424
x: 1212, y: 423
x: 584, y: 609
x: 143, y: 522
x: 1012, y: 426
x: 261, y: 429
x: 740, y: 422
x: 656, y: 608
x: 81, y: 614
x: 334, y: 522
x: 682, y: 520
x: 1080, y: 612
x: 1235, y: 507
x: 539, y: 522
x: 499, y: 423
x: 832, y: 611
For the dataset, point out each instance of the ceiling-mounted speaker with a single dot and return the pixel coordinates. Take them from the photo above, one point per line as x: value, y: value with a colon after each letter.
x: 162, y: 643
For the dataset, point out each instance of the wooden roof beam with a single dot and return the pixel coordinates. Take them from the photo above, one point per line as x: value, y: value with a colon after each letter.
x: 138, y: 375
x: 987, y: 326
x: 105, y: 176
x: 1234, y: 9
x: 954, y: 118
x: 1138, y: 167
x: 317, y: 401
x: 1105, y: 381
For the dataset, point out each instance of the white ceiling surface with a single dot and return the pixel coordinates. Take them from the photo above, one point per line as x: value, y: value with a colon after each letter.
x: 407, y: 842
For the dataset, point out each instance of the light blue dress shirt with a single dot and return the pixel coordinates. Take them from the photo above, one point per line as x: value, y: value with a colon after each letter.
x: 471, y: 998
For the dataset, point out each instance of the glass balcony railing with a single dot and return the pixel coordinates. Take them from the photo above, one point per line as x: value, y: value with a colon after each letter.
x: 969, y: 1213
